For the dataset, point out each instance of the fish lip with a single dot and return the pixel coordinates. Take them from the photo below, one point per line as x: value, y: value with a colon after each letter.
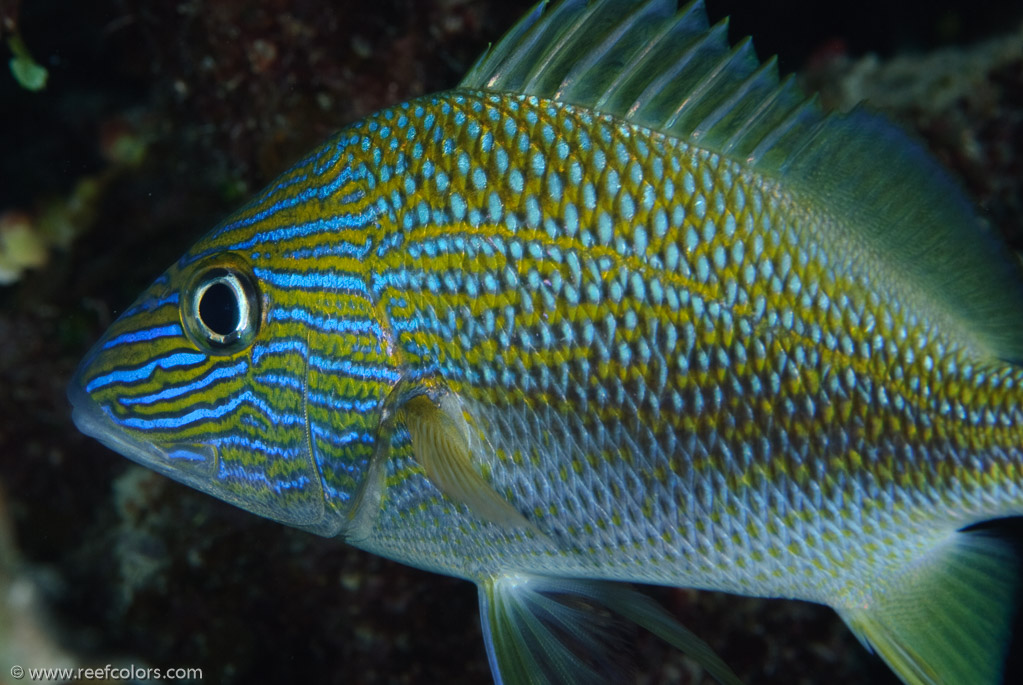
x: 193, y: 464
x: 91, y: 419
x: 86, y: 413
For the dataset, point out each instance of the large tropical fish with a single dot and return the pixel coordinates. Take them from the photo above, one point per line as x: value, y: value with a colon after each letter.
x: 620, y: 307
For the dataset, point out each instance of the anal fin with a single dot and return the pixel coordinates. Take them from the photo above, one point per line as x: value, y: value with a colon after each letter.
x: 542, y: 630
x: 946, y: 620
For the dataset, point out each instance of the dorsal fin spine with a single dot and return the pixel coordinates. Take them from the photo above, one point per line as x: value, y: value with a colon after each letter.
x: 496, y: 55
x: 749, y: 91
x: 584, y: 64
x: 802, y: 136
x: 706, y: 88
x: 535, y: 33
x: 648, y: 99
x: 614, y: 39
x: 753, y: 129
x: 672, y: 30
x: 779, y: 131
x: 554, y: 52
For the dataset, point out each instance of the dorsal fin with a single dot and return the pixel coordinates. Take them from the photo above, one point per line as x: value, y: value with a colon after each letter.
x: 651, y: 65
x: 667, y: 70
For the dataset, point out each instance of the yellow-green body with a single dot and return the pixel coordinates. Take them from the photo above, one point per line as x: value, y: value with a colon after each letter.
x: 642, y: 358
x: 768, y: 416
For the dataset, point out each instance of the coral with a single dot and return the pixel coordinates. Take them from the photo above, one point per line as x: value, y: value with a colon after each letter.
x: 29, y: 74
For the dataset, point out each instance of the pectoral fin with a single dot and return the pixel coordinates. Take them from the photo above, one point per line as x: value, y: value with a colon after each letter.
x: 542, y: 630
x: 440, y: 443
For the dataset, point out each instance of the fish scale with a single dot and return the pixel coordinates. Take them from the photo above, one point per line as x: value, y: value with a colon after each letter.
x: 709, y: 391
x: 500, y: 334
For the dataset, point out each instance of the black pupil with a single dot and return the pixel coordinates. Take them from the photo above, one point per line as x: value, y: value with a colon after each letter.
x: 218, y: 309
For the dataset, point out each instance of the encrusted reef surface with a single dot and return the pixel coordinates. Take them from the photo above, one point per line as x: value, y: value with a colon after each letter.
x: 155, y: 120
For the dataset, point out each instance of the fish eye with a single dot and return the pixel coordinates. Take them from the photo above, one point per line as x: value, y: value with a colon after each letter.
x: 221, y: 308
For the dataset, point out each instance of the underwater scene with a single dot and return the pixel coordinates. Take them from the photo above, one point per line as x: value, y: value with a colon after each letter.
x: 130, y: 129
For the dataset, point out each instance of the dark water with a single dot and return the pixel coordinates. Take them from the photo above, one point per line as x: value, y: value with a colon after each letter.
x: 133, y: 569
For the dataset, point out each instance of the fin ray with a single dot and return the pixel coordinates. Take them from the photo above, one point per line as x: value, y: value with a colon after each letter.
x: 552, y: 630
x: 440, y: 445
x: 946, y: 619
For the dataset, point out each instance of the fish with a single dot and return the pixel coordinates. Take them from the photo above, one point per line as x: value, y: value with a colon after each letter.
x: 623, y: 307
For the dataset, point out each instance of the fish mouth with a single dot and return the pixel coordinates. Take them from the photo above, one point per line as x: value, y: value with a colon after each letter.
x: 181, y: 462
x: 194, y: 465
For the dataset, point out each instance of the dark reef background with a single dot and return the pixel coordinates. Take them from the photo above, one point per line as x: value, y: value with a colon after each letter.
x: 159, y: 118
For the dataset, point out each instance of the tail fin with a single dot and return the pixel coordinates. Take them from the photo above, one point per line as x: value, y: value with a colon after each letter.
x: 948, y: 618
